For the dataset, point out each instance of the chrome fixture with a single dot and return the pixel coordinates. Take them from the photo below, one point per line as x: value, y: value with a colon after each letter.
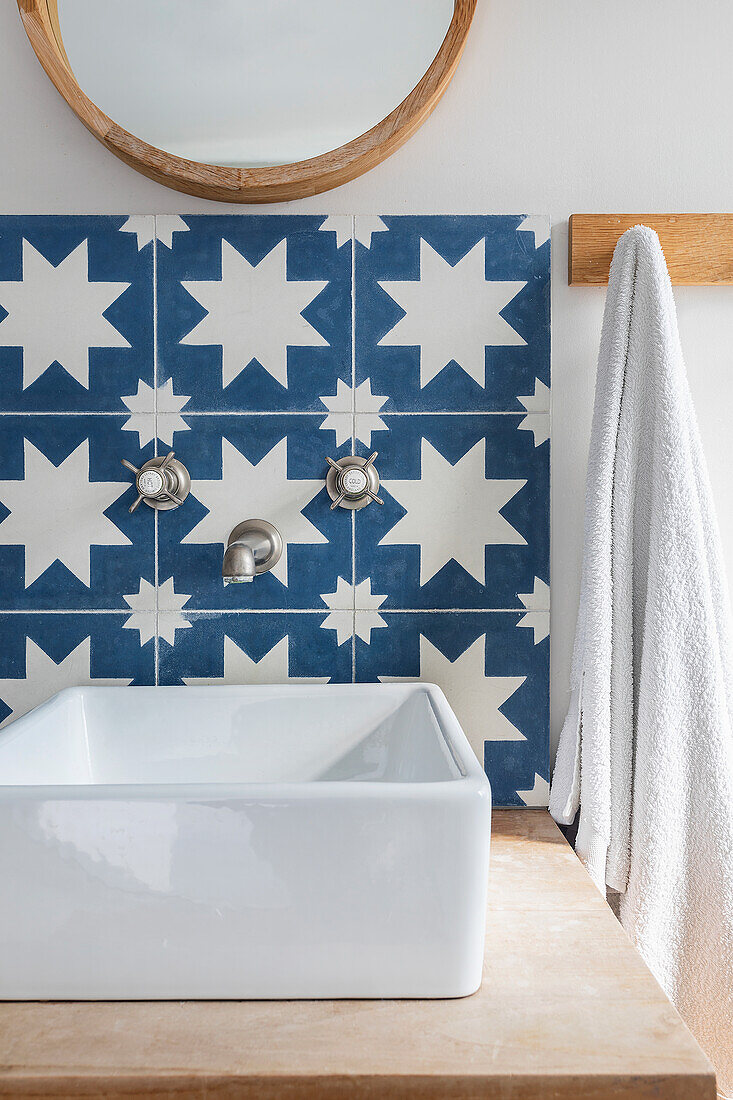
x: 253, y: 547
x: 163, y: 483
x: 353, y: 482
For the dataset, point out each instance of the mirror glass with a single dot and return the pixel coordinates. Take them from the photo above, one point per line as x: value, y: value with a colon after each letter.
x: 250, y: 83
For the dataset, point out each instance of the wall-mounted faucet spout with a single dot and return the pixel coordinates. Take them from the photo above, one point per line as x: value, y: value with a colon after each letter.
x: 253, y: 547
x: 239, y: 563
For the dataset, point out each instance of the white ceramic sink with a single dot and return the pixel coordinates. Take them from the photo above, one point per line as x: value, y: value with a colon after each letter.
x: 241, y: 842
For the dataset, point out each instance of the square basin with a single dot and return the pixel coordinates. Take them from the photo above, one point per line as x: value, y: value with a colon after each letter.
x: 241, y: 842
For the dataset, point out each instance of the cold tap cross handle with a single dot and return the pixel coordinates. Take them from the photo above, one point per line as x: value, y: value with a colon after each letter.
x: 352, y: 482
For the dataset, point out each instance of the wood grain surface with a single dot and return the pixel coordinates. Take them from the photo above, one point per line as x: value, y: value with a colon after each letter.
x: 249, y: 185
x: 567, y: 1009
x: 698, y: 247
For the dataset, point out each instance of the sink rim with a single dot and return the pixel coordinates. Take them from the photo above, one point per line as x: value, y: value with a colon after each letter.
x: 471, y: 781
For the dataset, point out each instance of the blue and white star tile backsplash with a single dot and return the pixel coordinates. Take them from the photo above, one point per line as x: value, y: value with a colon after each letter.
x: 464, y: 521
x: 269, y: 466
x: 254, y: 313
x: 76, y: 313
x: 252, y: 648
x: 282, y: 339
x: 41, y: 654
x: 67, y: 539
x: 453, y: 312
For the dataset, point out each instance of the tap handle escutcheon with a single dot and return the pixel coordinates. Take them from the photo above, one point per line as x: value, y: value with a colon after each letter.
x: 353, y: 482
x: 163, y: 483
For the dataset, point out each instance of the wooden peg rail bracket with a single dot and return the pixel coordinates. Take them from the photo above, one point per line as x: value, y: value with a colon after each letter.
x: 698, y: 247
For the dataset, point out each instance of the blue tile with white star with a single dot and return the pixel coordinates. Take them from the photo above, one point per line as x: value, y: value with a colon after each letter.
x: 264, y: 369
x: 255, y: 648
x: 67, y: 539
x: 42, y: 654
x: 494, y: 670
x: 465, y: 519
x: 453, y: 312
x: 76, y: 312
x: 271, y: 467
x: 254, y: 312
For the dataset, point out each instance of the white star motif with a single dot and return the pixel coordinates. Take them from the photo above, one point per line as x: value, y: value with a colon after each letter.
x: 168, y: 224
x: 452, y: 313
x: 344, y: 601
x: 537, y: 603
x: 170, y: 618
x: 254, y: 312
x: 474, y: 696
x: 539, y: 401
x: 142, y: 405
x: 147, y: 228
x: 538, y: 419
x: 366, y: 603
x: 68, y: 523
x: 55, y: 314
x: 338, y: 406
x: 539, y: 793
x: 341, y: 604
x: 538, y: 225
x: 453, y: 512
x: 143, y: 619
x: 365, y: 225
x: 340, y: 224
x: 143, y: 226
x: 272, y: 668
x: 367, y: 407
x: 268, y: 492
x: 538, y: 424
x: 169, y: 419
x: 342, y: 622
x: 344, y: 226
x: 44, y: 677
x: 142, y: 604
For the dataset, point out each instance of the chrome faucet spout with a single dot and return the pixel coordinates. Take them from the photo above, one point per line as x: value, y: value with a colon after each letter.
x: 253, y: 547
x: 239, y: 563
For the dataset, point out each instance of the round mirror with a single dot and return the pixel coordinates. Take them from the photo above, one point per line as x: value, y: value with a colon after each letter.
x: 245, y: 100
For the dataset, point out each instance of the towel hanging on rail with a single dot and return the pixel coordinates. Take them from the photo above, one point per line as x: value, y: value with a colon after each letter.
x: 646, y: 751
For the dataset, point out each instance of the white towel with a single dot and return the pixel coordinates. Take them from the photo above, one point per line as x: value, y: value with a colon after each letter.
x: 646, y: 751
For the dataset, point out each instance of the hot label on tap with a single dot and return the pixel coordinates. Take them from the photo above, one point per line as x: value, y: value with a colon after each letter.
x: 150, y: 482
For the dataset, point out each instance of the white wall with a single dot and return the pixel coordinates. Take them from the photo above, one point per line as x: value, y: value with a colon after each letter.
x: 559, y: 106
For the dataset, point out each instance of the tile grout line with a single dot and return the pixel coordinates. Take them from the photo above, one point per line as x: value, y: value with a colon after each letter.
x: 353, y: 596
x: 550, y: 480
x: 157, y: 601
x: 70, y: 611
x: 550, y: 414
x: 276, y: 611
x: 353, y: 334
x: 155, y: 445
x: 155, y: 329
x: 268, y: 412
x: 353, y: 444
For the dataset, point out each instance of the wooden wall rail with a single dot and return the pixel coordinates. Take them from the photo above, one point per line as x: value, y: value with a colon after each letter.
x: 698, y: 247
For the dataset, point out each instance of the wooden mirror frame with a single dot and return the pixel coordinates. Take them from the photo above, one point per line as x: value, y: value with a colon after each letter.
x: 279, y: 183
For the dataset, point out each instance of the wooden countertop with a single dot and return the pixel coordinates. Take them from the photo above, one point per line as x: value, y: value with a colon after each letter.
x: 567, y: 1009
